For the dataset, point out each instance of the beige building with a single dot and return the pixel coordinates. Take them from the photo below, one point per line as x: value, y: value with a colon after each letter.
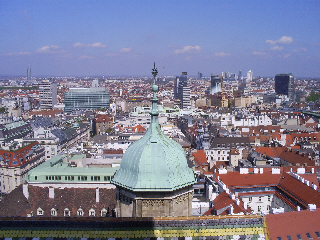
x: 244, y: 101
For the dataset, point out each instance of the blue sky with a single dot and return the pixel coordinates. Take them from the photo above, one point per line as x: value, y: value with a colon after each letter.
x: 114, y: 38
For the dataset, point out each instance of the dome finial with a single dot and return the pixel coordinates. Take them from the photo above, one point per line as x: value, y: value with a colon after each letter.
x: 154, y: 72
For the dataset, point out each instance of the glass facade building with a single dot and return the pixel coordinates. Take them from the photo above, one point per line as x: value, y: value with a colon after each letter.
x: 284, y: 84
x: 215, y: 84
x: 86, y: 98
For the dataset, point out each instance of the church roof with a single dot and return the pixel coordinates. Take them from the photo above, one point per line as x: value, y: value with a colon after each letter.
x: 154, y: 162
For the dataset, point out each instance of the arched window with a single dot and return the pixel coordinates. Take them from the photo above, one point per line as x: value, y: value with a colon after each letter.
x: 53, y: 212
x: 92, y: 212
x: 80, y: 212
x: 66, y: 212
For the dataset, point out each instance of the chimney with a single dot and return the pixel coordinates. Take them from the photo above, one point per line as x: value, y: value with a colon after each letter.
x: 25, y: 190
x: 51, y: 192
x: 261, y: 170
x: 314, y: 186
x: 298, y: 208
x: 230, y: 209
x: 97, y: 195
x: 312, y: 207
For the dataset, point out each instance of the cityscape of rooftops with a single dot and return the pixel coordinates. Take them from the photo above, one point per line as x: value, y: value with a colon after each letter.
x: 160, y: 119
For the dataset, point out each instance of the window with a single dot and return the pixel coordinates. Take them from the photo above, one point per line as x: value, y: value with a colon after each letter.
x: 39, y: 212
x: 308, y: 235
x: 269, y: 198
x: 318, y: 234
x: 53, y: 212
x: 259, y: 208
x: 104, y: 212
x: 268, y: 207
x: 35, y: 177
x: 66, y: 212
x: 260, y: 199
x: 92, y: 212
x: 289, y: 237
x: 80, y: 212
x: 299, y: 236
x: 107, y: 178
x: 250, y: 199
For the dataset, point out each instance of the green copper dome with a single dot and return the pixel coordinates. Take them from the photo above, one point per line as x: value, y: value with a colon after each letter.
x: 154, y: 162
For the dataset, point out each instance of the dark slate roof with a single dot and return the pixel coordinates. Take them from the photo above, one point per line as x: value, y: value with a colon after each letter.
x: 71, y: 198
x: 41, y: 122
x: 59, y: 134
x: 15, y: 204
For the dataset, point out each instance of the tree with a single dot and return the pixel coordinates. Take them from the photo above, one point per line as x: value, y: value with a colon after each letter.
x: 313, y: 97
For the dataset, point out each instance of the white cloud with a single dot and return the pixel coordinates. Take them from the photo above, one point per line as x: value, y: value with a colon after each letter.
x: 222, y: 54
x: 277, y: 48
x: 300, y: 50
x: 287, y: 55
x: 48, y: 49
x: 187, y: 49
x: 16, y: 54
x: 85, y: 57
x: 258, y: 53
x: 90, y: 45
x: 125, y: 50
x: 282, y: 40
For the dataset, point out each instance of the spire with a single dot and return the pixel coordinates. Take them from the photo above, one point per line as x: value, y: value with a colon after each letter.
x: 154, y: 99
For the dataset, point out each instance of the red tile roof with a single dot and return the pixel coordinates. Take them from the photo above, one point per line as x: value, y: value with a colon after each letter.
x: 200, y: 157
x: 235, y: 179
x: 293, y: 223
x: 270, y: 151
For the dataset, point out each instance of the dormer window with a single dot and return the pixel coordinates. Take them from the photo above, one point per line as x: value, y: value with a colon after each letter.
x: 92, y: 212
x: 53, y: 212
x: 66, y: 212
x: 104, y: 212
x: 80, y: 212
x: 39, y: 212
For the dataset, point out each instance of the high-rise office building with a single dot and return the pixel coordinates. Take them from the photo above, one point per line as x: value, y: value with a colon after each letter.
x: 216, y: 84
x: 182, y: 90
x: 86, y: 98
x: 249, y: 76
x: 29, y: 73
x: 240, y: 75
x: 284, y: 84
x: 48, y: 94
x: 199, y: 75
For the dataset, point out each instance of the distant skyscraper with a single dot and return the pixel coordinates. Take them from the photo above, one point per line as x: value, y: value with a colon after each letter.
x: 48, y: 94
x: 216, y: 84
x: 249, y: 76
x: 284, y: 84
x: 240, y: 75
x: 182, y: 91
x: 29, y: 73
x: 199, y: 75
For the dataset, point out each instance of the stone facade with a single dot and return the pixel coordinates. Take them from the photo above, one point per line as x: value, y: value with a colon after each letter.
x: 154, y: 204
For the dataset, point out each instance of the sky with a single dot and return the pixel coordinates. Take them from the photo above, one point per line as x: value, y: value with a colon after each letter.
x: 124, y: 38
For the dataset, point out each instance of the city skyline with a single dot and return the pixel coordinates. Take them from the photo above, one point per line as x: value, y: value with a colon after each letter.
x: 121, y: 38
